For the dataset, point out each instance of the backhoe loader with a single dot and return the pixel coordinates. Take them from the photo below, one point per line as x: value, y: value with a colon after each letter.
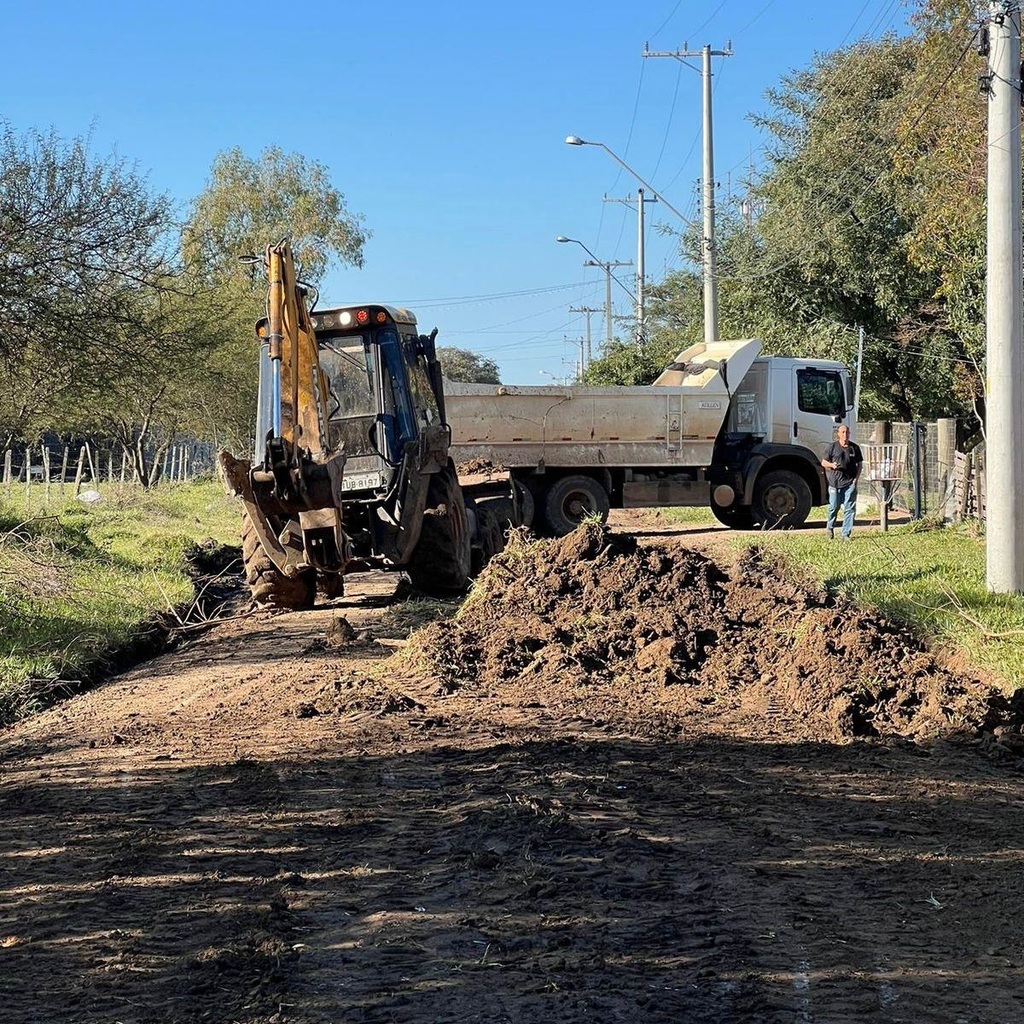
x: 351, y: 469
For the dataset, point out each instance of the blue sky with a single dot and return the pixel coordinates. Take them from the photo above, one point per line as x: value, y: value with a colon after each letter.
x: 443, y: 124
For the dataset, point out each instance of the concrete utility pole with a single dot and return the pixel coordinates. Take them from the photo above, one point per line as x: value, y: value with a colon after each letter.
x: 641, y: 332
x: 856, y: 387
x: 607, y: 268
x: 588, y: 310
x: 710, y: 268
x: 1004, y: 393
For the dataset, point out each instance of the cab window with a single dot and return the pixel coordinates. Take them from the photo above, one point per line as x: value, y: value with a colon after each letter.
x: 821, y: 392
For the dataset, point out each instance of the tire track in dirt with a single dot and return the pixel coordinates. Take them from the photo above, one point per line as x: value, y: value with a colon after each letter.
x: 267, y: 826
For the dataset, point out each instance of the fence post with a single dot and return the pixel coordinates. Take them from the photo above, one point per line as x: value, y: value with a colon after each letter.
x: 80, y: 471
x: 63, y: 470
x: 7, y: 471
x: 28, y: 471
x: 915, y: 446
x: 93, y: 475
x: 46, y: 474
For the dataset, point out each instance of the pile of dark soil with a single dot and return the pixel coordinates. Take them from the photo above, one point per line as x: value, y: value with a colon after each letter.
x: 663, y: 639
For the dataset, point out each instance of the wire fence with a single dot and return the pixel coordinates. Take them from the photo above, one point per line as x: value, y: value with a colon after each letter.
x: 920, y: 470
x: 59, y: 470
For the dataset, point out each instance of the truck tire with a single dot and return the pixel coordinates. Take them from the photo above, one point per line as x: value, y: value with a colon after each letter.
x: 502, y: 513
x: 443, y: 557
x: 492, y: 537
x: 571, y: 500
x: 782, y: 500
x: 269, y: 586
x: 736, y: 517
x: 527, y: 504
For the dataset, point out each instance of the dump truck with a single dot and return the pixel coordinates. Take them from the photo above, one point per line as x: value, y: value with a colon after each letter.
x: 721, y: 427
x: 351, y: 469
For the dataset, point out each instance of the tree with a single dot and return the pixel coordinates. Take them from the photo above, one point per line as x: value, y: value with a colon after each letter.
x: 249, y: 204
x: 463, y: 365
x: 829, y: 251
x: 871, y: 215
x: 80, y: 237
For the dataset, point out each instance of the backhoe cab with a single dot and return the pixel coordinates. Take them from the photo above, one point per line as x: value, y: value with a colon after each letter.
x: 351, y: 469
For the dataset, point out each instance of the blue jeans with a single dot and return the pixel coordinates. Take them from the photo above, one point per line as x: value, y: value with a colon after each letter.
x: 847, y: 497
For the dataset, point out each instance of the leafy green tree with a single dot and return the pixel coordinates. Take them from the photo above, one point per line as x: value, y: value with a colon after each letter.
x: 249, y: 204
x: 870, y: 214
x: 80, y: 237
x: 469, y: 367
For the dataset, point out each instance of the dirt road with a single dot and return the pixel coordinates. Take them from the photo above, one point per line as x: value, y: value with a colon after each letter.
x: 626, y: 784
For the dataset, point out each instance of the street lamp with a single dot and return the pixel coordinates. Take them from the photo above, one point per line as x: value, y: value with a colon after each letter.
x: 575, y: 140
x: 606, y: 266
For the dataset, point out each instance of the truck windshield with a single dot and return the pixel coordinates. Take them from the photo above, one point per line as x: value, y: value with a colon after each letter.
x: 352, y: 410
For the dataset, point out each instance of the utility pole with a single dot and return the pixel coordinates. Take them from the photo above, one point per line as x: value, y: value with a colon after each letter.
x: 607, y: 268
x: 581, y: 363
x: 1004, y: 393
x: 708, y: 247
x: 587, y: 310
x: 641, y: 331
x: 860, y: 364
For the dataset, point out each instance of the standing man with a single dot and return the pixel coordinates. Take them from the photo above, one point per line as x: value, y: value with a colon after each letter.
x: 842, y: 464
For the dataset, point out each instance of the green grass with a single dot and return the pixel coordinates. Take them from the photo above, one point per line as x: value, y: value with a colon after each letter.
x: 688, y: 515
x: 932, y: 578
x: 77, y: 580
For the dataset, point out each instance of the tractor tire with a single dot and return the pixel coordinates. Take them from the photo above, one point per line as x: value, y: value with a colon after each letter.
x: 571, y: 500
x: 782, y: 500
x: 269, y: 586
x: 443, y: 557
x: 330, y: 585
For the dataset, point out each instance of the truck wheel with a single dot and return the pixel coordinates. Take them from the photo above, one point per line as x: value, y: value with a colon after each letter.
x: 527, y: 504
x: 492, y: 537
x: 782, y: 500
x: 571, y: 500
x: 270, y: 587
x: 503, y: 513
x: 442, y: 560
x: 738, y: 517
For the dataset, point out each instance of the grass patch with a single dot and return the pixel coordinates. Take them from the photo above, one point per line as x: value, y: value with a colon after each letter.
x: 932, y: 578
x: 690, y: 515
x: 77, y: 581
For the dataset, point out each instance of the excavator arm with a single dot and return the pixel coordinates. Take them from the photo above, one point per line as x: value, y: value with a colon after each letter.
x: 301, y: 477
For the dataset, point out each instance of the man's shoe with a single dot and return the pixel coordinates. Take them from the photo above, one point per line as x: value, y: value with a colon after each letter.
x: 830, y: 534
x: 847, y: 536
